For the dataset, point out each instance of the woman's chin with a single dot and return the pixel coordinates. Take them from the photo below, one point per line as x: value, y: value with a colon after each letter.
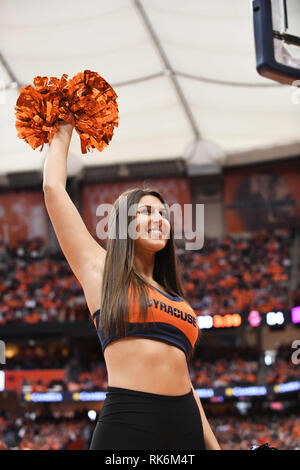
x: 155, y: 244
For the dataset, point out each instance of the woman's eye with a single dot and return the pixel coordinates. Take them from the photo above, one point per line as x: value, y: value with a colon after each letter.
x: 148, y: 211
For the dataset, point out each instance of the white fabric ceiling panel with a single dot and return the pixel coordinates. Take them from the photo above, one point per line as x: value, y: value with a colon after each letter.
x: 206, y: 44
x: 242, y: 119
x: 39, y: 46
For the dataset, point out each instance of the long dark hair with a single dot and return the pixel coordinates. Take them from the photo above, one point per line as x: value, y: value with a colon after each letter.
x: 120, y: 274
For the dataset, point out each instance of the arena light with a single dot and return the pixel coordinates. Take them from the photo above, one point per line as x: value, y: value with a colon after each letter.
x: 92, y: 414
x: 295, y: 314
x: 268, y: 360
x: 44, y: 397
x: 276, y: 405
x: 243, y: 407
x: 218, y: 399
x: 254, y: 318
x: 2, y: 380
x: 227, y: 321
x: 269, y: 357
x: 205, y: 321
x: 205, y: 392
x: 287, y: 387
x: 274, y: 318
x: 254, y: 390
x: 89, y: 396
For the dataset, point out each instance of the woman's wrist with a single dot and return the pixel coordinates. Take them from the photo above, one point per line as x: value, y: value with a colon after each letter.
x: 65, y: 128
x: 62, y: 137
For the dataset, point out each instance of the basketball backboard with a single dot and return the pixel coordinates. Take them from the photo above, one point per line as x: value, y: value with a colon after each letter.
x: 277, y: 39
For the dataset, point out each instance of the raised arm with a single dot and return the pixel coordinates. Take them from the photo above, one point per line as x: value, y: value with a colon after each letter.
x: 85, y: 256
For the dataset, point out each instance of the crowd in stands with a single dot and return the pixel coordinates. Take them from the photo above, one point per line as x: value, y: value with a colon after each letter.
x: 56, y: 433
x: 74, y: 433
x: 241, y: 433
x: 232, y: 274
x: 239, y: 273
x: 283, y: 368
x: 243, y: 367
x: 38, y: 287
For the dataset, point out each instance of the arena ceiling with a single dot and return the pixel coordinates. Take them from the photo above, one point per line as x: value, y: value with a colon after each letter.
x: 184, y: 73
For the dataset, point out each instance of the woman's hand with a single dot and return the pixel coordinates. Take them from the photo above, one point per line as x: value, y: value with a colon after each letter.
x: 62, y: 137
x: 65, y: 127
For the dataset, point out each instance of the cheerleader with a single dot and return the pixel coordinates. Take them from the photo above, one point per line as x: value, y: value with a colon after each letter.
x: 146, y: 327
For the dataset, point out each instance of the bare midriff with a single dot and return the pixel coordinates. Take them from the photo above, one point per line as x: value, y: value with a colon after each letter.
x: 147, y: 365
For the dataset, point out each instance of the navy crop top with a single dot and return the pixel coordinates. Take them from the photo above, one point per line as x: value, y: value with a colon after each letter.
x: 170, y: 319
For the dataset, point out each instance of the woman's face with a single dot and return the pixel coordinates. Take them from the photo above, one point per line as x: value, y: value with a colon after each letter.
x: 153, y: 226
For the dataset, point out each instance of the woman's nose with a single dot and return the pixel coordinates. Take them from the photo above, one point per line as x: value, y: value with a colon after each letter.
x: 156, y: 221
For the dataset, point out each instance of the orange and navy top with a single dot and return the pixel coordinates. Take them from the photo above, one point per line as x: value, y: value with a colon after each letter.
x: 169, y: 319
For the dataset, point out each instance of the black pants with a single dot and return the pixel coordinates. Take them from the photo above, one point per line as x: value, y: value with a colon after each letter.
x: 130, y: 419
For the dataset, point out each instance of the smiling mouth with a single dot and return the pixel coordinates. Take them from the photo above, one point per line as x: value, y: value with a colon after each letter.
x: 155, y: 232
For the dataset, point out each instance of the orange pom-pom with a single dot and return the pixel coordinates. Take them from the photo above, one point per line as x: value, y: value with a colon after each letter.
x: 95, y: 110
x: 38, y: 109
x: 87, y: 95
